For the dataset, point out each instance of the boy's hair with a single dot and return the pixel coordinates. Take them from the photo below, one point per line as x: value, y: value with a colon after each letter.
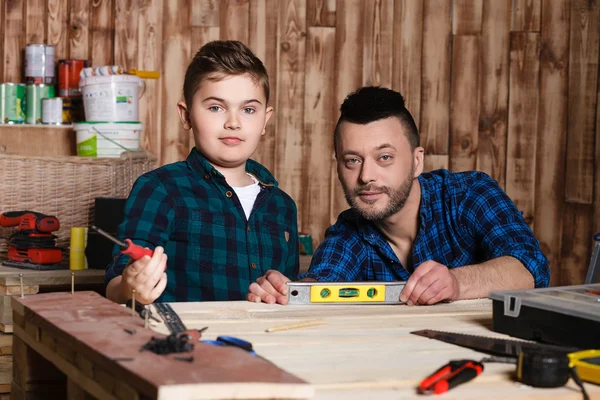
x: 372, y: 103
x: 221, y: 58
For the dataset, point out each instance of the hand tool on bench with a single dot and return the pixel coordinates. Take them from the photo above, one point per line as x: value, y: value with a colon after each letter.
x: 345, y: 292
x: 538, y: 364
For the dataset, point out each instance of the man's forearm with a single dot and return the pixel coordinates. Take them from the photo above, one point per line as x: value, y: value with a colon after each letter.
x: 503, y: 273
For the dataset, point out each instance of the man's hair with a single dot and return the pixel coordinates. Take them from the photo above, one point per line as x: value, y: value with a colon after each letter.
x: 218, y: 59
x: 372, y: 103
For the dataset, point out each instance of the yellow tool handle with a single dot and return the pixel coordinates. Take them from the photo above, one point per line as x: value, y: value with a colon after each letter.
x: 587, y: 363
x: 145, y: 74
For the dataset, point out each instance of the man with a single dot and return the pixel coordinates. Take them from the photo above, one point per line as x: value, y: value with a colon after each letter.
x: 450, y: 235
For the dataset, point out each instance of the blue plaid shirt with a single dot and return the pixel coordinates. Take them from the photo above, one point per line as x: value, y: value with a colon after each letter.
x: 465, y: 218
x: 214, y: 252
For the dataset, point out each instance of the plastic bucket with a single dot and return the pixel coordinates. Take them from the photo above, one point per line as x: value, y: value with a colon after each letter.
x: 109, y: 139
x: 111, y: 98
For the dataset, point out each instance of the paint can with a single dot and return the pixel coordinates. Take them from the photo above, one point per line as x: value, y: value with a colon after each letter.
x: 56, y: 111
x: 35, y: 94
x: 12, y: 103
x: 39, y: 64
x: 68, y: 77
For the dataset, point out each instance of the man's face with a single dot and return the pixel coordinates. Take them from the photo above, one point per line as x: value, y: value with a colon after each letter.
x: 228, y: 117
x: 376, y: 167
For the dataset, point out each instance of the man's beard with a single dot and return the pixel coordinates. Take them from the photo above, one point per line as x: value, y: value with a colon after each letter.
x: 397, y: 196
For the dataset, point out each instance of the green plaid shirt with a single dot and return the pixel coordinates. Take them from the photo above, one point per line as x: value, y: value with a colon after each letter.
x: 214, y: 252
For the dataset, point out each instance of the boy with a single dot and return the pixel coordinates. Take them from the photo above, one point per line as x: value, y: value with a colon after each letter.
x: 216, y: 221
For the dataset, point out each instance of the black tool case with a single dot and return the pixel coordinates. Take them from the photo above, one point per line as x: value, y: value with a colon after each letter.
x: 567, y: 315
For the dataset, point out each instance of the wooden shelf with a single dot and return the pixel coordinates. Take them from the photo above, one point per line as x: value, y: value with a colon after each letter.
x: 37, y: 140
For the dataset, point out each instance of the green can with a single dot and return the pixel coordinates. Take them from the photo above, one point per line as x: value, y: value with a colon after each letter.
x: 12, y: 103
x: 35, y: 94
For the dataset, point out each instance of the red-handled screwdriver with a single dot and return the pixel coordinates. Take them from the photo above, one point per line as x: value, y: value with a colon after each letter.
x: 128, y: 247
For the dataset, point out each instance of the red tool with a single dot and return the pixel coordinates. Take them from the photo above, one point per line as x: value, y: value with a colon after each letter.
x: 128, y: 247
x: 450, y: 375
x: 33, y: 241
x: 30, y: 221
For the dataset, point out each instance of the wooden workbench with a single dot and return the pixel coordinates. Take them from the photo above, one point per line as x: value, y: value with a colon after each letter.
x: 367, y: 352
x: 33, y: 282
x: 360, y: 352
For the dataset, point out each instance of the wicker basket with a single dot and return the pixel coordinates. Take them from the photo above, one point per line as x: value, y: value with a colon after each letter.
x: 65, y: 186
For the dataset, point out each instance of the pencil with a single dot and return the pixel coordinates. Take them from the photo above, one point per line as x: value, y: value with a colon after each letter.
x: 296, y: 325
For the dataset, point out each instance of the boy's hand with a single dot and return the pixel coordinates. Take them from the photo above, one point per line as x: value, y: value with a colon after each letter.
x: 270, y: 288
x: 147, y: 276
x: 431, y: 283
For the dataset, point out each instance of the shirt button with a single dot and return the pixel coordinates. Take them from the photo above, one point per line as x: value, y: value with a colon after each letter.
x: 206, y: 176
x: 213, y: 172
x: 228, y: 193
x: 248, y: 228
x: 253, y: 265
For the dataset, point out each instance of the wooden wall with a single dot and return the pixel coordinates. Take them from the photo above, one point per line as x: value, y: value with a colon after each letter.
x: 509, y: 87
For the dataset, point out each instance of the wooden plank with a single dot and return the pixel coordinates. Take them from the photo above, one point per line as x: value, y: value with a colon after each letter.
x: 522, y: 121
x: 526, y: 15
x: 13, y: 40
x: 176, y: 56
x: 596, y: 225
x: 10, y: 277
x: 126, y: 33
x: 290, y: 91
x: 378, y: 43
x: 320, y: 13
x: 209, y: 375
x: 583, y: 80
x: 552, y: 133
x: 234, y: 20
x: 205, y: 13
x: 576, y: 243
x: 464, y: 103
x: 349, y: 56
x: 264, y: 15
x: 493, y: 117
x: 406, y: 65
x: 79, y: 29
x: 435, y: 84
x: 102, y: 30
x: 35, y: 21
x: 16, y: 290
x: 319, y: 101
x: 150, y: 34
x: 37, y: 140
x: 467, y: 17
x: 435, y: 161
x: 5, y: 371
x: 318, y: 352
x: 58, y: 28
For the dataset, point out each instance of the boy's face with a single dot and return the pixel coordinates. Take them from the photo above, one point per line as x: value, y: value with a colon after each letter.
x: 228, y: 117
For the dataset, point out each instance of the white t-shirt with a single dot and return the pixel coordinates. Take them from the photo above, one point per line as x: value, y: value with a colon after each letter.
x: 247, y: 195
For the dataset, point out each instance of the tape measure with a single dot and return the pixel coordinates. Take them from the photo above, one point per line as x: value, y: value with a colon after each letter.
x: 345, y: 292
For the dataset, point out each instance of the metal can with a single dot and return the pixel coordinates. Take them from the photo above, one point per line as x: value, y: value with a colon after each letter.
x: 39, y: 64
x: 12, y: 103
x: 68, y: 77
x: 35, y: 94
x: 56, y: 111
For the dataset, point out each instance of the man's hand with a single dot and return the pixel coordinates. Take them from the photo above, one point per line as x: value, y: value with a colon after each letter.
x: 147, y: 276
x: 270, y: 288
x: 431, y: 283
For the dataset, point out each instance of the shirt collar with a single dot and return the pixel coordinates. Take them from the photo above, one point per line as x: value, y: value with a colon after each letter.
x: 198, y: 163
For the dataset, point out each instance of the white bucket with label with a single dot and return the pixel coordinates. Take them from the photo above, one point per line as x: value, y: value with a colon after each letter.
x: 108, y: 139
x: 111, y: 98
